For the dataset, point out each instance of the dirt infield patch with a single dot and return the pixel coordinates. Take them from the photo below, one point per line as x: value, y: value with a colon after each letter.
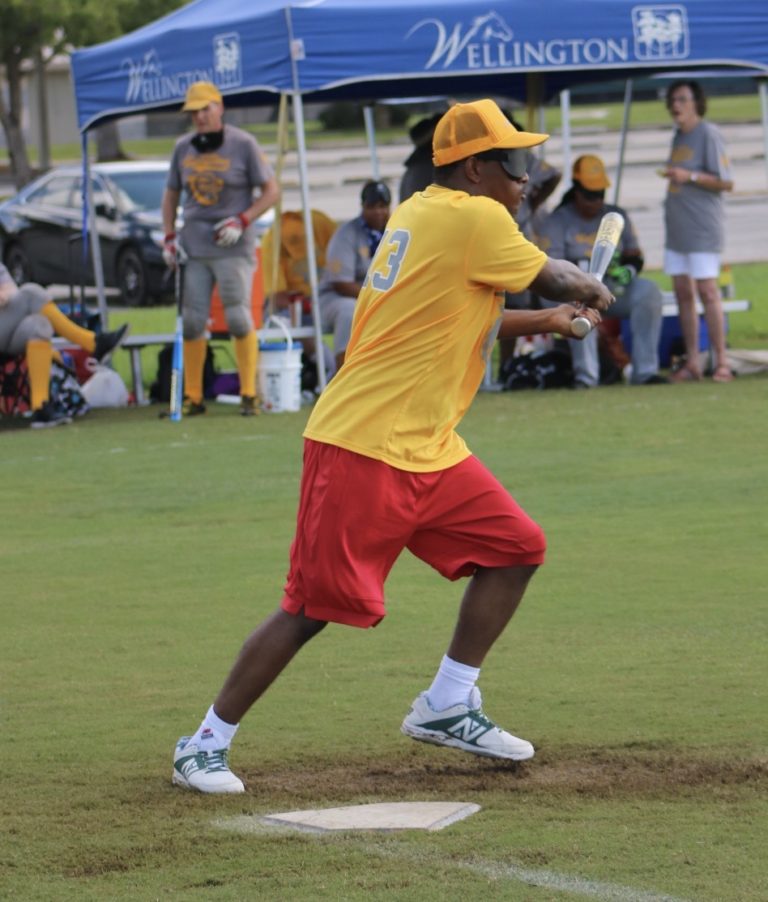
x: 434, y: 773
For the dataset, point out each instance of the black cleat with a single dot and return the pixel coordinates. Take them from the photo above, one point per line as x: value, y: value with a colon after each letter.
x: 108, y: 342
x: 48, y: 415
x: 249, y: 406
x: 192, y: 408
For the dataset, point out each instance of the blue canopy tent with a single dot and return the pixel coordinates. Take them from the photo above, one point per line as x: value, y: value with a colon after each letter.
x: 372, y: 49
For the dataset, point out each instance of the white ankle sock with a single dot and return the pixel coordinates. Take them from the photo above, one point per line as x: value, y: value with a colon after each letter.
x: 452, y: 684
x: 214, y: 733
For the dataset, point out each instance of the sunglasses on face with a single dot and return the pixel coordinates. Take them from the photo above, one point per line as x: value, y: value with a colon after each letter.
x: 514, y: 162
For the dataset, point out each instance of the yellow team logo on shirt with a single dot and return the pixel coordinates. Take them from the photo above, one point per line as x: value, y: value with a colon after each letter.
x: 587, y: 239
x: 681, y: 154
x: 202, y: 181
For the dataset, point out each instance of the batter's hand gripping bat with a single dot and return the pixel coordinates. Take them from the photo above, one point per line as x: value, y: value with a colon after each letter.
x: 606, y: 242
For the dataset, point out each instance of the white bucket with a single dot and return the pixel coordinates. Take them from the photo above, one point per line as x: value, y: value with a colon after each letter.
x: 280, y: 372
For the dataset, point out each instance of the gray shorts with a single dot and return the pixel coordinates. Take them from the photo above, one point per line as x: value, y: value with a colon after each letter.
x: 234, y: 278
x: 21, y: 320
x: 336, y: 313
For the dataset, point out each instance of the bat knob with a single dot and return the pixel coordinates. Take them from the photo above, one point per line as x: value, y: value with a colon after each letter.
x: 580, y: 326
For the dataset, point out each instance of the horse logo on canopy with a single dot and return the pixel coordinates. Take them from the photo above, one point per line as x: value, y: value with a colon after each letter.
x: 661, y: 32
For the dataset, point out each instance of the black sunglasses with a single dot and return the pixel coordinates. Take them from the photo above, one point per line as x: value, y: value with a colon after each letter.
x: 590, y: 195
x: 514, y: 161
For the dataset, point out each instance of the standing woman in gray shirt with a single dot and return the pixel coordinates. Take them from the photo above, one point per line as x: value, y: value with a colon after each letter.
x: 698, y: 172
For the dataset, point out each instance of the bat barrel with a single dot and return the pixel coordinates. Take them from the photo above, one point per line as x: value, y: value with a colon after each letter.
x: 606, y: 242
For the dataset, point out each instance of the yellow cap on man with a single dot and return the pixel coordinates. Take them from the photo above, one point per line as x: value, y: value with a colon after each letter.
x: 468, y: 129
x: 199, y: 95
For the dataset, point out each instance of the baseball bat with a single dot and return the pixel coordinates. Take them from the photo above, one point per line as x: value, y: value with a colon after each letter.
x: 177, y: 360
x: 606, y: 242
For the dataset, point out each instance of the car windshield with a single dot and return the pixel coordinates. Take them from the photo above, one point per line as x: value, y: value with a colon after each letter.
x: 139, y: 191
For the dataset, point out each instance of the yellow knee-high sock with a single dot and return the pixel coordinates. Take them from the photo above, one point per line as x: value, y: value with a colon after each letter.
x: 247, y: 356
x: 194, y: 364
x: 63, y: 325
x: 39, y: 356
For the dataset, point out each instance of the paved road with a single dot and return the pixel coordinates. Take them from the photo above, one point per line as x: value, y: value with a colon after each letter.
x: 336, y: 175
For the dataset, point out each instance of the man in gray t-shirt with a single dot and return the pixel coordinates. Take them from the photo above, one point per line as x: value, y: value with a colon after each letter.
x: 698, y: 172
x: 347, y: 259
x: 569, y: 233
x: 227, y: 183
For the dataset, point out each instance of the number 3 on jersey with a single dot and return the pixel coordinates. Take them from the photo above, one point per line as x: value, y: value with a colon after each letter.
x: 384, y: 276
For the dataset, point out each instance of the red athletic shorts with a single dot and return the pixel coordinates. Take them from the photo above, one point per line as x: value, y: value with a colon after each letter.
x: 357, y: 514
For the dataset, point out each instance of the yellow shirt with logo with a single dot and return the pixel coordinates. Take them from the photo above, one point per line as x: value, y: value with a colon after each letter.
x: 424, y: 326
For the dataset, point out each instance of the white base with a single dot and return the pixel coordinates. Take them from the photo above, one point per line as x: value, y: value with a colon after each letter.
x: 383, y: 816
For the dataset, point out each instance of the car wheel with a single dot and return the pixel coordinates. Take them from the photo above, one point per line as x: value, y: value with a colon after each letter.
x: 132, y: 278
x: 18, y: 265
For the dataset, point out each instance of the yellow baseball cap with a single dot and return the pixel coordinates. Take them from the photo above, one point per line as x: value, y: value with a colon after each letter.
x: 199, y: 95
x: 590, y: 173
x: 468, y: 129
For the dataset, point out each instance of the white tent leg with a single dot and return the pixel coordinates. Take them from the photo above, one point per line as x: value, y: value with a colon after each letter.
x: 301, y: 148
x: 565, y: 128
x: 763, y: 89
x: 277, y: 225
x: 541, y: 128
x: 98, y: 266
x: 623, y: 139
x: 370, y: 131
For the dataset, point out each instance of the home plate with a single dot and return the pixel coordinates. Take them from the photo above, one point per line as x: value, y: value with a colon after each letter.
x: 378, y: 816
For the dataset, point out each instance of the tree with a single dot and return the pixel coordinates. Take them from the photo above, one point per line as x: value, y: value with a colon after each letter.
x: 31, y: 27
x: 132, y: 14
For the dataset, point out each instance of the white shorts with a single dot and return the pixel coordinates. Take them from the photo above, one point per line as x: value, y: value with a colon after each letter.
x: 698, y: 265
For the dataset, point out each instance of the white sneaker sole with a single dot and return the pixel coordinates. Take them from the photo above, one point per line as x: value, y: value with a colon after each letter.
x: 62, y: 421
x: 234, y: 786
x: 438, y: 738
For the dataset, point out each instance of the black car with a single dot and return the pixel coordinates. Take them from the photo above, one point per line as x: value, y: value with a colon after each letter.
x: 40, y: 229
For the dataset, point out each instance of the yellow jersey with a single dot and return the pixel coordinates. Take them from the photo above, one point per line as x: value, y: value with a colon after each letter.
x: 424, y: 326
x: 292, y: 269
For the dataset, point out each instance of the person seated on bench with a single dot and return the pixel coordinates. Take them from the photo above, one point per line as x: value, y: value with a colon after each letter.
x: 292, y: 270
x: 569, y: 233
x: 28, y: 321
x: 349, y: 254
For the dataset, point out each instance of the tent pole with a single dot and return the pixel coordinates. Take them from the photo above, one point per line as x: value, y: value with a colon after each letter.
x: 98, y: 266
x: 541, y: 129
x: 370, y: 131
x: 763, y: 89
x: 301, y: 146
x: 282, y: 146
x: 565, y: 128
x: 623, y: 140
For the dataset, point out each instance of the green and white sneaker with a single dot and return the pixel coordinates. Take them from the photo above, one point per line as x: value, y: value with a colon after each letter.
x: 463, y: 727
x: 203, y: 771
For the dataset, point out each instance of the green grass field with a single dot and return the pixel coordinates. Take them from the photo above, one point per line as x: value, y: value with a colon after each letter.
x: 137, y: 554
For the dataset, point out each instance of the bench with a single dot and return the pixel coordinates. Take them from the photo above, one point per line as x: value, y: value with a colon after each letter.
x: 729, y: 306
x: 135, y: 344
x: 668, y: 312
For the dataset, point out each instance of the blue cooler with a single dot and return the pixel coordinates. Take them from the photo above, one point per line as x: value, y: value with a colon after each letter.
x: 671, y: 337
